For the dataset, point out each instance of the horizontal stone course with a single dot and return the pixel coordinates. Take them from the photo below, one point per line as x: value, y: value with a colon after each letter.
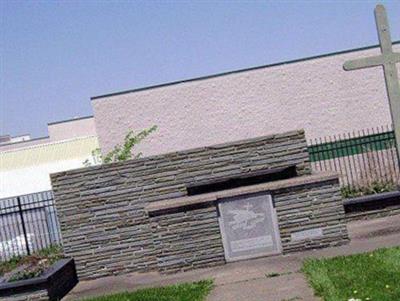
x: 186, y: 240
x: 317, y: 207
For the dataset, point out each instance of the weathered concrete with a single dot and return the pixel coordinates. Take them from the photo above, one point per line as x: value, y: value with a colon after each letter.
x: 246, y: 280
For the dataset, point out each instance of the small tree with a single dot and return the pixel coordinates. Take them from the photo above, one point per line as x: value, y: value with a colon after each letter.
x: 122, y: 152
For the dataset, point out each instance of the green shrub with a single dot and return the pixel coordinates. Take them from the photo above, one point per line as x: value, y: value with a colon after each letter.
x: 122, y: 152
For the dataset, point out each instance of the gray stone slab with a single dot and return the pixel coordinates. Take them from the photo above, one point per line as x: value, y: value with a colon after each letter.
x: 249, y: 227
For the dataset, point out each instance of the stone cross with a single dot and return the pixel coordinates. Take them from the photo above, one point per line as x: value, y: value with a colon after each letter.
x: 387, y: 59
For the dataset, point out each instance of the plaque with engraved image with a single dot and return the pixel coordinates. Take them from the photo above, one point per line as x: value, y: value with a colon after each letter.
x: 249, y: 227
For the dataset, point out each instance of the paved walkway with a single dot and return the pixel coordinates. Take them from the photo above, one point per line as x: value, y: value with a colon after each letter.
x: 247, y: 280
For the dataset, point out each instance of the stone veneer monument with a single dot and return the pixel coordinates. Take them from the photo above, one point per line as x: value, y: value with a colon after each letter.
x: 198, y: 208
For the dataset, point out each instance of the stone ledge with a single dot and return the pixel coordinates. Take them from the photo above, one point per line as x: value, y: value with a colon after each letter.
x: 372, y: 198
x: 189, y: 201
x: 372, y: 206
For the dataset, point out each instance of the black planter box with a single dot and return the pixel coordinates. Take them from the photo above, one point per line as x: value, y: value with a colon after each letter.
x: 52, y: 285
x: 372, y: 202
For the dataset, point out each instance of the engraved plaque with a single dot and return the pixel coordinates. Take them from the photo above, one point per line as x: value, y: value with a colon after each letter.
x: 307, y: 234
x: 249, y: 227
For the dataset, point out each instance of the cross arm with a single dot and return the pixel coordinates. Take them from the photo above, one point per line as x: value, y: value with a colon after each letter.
x: 372, y: 61
x: 395, y: 57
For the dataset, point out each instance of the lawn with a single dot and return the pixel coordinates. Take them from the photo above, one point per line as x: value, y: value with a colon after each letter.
x: 371, y: 276
x: 196, y: 291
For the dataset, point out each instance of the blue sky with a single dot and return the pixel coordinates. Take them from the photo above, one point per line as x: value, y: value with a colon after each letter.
x: 56, y: 55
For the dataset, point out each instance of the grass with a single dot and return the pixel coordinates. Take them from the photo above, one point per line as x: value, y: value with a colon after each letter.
x: 369, y: 276
x: 9, y: 265
x: 51, y: 254
x: 372, y: 188
x: 196, y: 291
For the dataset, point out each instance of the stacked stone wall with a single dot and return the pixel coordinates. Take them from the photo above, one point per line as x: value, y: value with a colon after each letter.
x: 101, y: 209
x: 316, y: 207
x: 187, y: 238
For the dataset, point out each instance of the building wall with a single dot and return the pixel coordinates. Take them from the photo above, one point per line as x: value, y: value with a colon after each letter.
x: 57, y: 131
x: 101, y: 209
x: 74, y: 128
x: 314, y: 94
x: 25, y: 167
x: 27, y: 170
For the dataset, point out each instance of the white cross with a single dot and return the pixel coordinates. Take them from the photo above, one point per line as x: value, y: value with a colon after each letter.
x: 387, y: 59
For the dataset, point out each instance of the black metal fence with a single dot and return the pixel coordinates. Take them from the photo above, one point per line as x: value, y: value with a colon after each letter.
x: 365, y: 160
x: 28, y: 223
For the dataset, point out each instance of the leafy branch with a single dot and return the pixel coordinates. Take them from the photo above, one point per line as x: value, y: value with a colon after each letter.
x: 122, y: 152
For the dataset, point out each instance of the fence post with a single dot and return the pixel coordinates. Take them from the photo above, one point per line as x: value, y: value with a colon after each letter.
x: 23, y: 226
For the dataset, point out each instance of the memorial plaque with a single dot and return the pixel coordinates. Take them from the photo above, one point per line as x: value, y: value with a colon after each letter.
x: 249, y: 227
x: 307, y: 234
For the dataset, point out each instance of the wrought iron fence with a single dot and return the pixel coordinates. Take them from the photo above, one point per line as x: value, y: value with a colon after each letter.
x: 365, y: 160
x: 28, y: 223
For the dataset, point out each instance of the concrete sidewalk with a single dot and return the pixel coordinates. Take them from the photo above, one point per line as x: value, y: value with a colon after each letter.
x: 248, y: 280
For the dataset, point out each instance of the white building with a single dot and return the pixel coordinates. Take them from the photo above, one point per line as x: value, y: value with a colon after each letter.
x: 25, y: 164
